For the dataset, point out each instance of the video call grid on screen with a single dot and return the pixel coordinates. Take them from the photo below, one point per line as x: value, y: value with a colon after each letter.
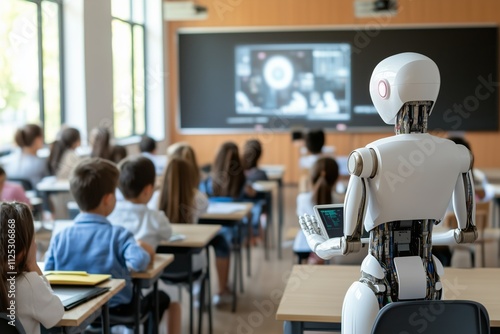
x: 308, y: 80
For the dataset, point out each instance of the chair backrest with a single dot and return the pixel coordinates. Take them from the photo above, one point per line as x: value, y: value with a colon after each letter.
x: 483, y: 216
x: 432, y: 316
x: 7, y: 328
x: 25, y: 183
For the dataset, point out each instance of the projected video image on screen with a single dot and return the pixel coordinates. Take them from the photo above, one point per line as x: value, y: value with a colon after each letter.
x: 298, y: 80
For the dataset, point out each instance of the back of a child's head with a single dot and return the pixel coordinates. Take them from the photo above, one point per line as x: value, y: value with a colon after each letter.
x: 68, y: 138
x: 91, y: 180
x: 25, y: 136
x: 324, y: 175
x: 101, y: 143
x: 315, y: 139
x: 136, y: 173
x: 16, y: 235
x: 184, y: 151
x: 147, y: 144
x: 227, y: 173
x: 178, y: 191
x: 251, y: 154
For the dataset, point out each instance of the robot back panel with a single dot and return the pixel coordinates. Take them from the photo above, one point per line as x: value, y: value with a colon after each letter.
x: 416, y: 177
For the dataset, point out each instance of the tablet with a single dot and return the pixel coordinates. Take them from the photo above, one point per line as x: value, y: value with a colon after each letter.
x: 331, y: 217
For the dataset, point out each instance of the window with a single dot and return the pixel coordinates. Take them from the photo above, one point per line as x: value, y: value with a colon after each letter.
x: 30, y: 66
x: 129, y: 49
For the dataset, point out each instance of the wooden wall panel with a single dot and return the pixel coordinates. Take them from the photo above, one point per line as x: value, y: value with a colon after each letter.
x: 260, y: 13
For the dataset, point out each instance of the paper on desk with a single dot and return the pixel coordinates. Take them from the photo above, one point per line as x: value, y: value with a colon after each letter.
x: 223, y: 208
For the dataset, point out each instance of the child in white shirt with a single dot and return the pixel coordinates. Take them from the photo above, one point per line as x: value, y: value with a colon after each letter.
x: 136, y: 183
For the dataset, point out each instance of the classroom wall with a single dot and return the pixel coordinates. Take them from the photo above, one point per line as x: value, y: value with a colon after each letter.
x: 278, y: 148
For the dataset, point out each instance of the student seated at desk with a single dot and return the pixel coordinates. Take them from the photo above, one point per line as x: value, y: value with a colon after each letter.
x: 24, y: 163
x: 226, y: 183
x: 136, y: 183
x: 35, y: 303
x: 181, y: 200
x: 147, y: 146
x: 93, y: 244
x: 324, y: 175
x: 252, y: 151
x: 10, y: 191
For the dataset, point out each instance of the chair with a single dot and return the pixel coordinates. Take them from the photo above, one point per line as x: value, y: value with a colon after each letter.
x: 6, y: 328
x: 432, y: 316
x: 179, y: 273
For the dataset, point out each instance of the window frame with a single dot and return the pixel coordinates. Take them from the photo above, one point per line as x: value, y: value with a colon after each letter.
x: 132, y: 24
x: 41, y: 85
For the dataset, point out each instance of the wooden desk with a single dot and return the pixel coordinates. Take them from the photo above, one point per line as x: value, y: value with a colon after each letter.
x: 146, y: 279
x: 77, y: 319
x: 197, y: 237
x: 233, y: 218
x: 314, y: 295
x: 275, y: 173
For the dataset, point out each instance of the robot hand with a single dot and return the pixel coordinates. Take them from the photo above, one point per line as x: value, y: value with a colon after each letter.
x: 317, y: 239
x: 455, y: 236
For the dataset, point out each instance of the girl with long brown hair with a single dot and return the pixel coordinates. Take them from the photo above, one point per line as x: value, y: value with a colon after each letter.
x: 324, y: 175
x: 24, y: 291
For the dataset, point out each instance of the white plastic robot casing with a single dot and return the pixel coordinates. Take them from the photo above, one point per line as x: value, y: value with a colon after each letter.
x: 402, y: 78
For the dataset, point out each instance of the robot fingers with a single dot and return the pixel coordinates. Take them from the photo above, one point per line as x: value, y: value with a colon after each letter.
x: 309, y: 224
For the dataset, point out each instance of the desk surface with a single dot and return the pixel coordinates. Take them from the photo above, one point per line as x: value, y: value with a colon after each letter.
x: 79, y: 314
x: 236, y: 215
x: 197, y: 235
x: 161, y: 261
x: 53, y: 185
x: 273, y: 172
x: 316, y: 293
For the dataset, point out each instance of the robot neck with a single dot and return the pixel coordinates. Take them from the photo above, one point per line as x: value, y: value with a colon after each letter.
x: 412, y: 117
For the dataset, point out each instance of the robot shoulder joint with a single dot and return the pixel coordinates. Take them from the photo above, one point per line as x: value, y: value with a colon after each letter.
x: 363, y: 162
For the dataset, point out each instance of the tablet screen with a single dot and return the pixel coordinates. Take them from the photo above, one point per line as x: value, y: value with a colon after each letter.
x: 333, y: 220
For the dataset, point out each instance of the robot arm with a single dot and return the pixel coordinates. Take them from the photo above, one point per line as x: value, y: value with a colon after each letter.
x: 362, y: 163
x: 465, y: 210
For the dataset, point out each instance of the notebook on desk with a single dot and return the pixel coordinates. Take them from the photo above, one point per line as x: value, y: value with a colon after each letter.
x: 75, y: 278
x: 72, y: 296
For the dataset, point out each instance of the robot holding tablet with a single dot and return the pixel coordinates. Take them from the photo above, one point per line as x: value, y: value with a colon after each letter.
x: 399, y: 188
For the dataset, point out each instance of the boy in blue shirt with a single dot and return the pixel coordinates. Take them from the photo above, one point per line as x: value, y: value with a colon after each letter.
x: 93, y: 245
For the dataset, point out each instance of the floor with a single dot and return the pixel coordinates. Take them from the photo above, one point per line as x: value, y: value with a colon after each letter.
x: 256, y: 307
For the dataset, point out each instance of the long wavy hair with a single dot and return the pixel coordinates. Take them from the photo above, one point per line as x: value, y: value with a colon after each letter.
x: 177, y: 194
x: 324, y: 175
x: 227, y: 174
x: 16, y: 235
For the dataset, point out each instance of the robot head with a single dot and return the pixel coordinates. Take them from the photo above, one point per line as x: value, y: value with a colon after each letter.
x: 403, y: 78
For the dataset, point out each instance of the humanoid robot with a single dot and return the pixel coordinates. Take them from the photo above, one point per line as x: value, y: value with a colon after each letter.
x: 399, y: 188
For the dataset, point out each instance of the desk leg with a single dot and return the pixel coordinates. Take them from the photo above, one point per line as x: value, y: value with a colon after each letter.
x: 105, y: 319
x: 293, y: 327
x: 190, y: 283
x: 137, y: 302
x: 269, y: 223
x: 209, y: 288
x: 156, y: 319
x: 249, y: 246
x: 280, y: 217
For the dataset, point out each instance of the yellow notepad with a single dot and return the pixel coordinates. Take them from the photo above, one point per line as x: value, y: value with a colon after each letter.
x: 75, y: 277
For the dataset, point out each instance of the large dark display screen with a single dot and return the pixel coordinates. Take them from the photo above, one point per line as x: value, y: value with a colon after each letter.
x: 254, y: 80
